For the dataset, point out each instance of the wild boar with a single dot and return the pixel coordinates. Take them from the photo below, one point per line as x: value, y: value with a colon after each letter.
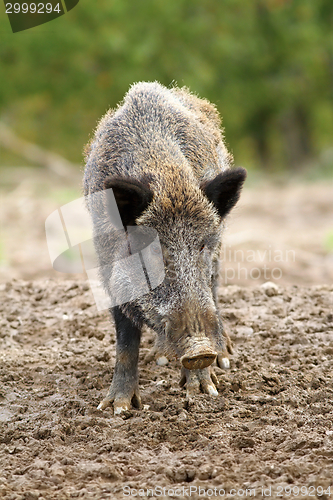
x: 162, y: 154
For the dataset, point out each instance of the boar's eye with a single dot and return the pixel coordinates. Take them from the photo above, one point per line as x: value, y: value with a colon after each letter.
x: 202, y: 248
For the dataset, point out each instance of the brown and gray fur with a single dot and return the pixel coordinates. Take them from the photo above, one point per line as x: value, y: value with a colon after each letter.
x: 162, y: 153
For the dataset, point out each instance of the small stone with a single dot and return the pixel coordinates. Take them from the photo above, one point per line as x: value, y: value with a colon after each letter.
x: 162, y: 361
x: 270, y: 288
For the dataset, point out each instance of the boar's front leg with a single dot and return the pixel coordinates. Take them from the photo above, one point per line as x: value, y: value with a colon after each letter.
x: 124, y: 388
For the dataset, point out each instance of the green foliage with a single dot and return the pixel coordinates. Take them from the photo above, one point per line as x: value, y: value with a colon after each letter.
x: 267, y: 64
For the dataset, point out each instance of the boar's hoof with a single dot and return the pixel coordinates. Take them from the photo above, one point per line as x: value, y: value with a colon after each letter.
x: 198, y: 360
x: 121, y: 402
x: 195, y: 381
x: 223, y: 361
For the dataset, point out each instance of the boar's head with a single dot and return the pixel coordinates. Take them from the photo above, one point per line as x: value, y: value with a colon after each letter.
x: 188, y: 218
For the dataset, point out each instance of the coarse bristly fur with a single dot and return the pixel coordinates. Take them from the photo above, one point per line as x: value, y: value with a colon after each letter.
x: 162, y: 154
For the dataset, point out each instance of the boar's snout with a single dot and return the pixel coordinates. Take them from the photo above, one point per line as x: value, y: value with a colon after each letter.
x: 193, y: 337
x: 199, y: 356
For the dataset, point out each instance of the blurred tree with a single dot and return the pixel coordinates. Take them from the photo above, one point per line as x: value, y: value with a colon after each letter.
x: 267, y: 64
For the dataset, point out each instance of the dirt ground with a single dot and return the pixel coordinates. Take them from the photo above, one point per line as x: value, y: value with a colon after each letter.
x: 270, y: 426
x: 269, y: 433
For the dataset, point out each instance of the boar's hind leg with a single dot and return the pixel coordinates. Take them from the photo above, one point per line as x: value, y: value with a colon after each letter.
x: 222, y: 359
x: 124, y: 388
x: 204, y: 379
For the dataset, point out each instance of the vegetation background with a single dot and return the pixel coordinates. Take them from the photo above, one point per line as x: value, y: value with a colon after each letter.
x: 267, y: 64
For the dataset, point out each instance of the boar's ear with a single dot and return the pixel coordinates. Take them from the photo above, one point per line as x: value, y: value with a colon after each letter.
x: 132, y: 198
x: 224, y: 190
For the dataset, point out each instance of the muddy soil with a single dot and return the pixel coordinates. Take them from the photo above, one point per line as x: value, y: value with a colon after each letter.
x: 270, y: 427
